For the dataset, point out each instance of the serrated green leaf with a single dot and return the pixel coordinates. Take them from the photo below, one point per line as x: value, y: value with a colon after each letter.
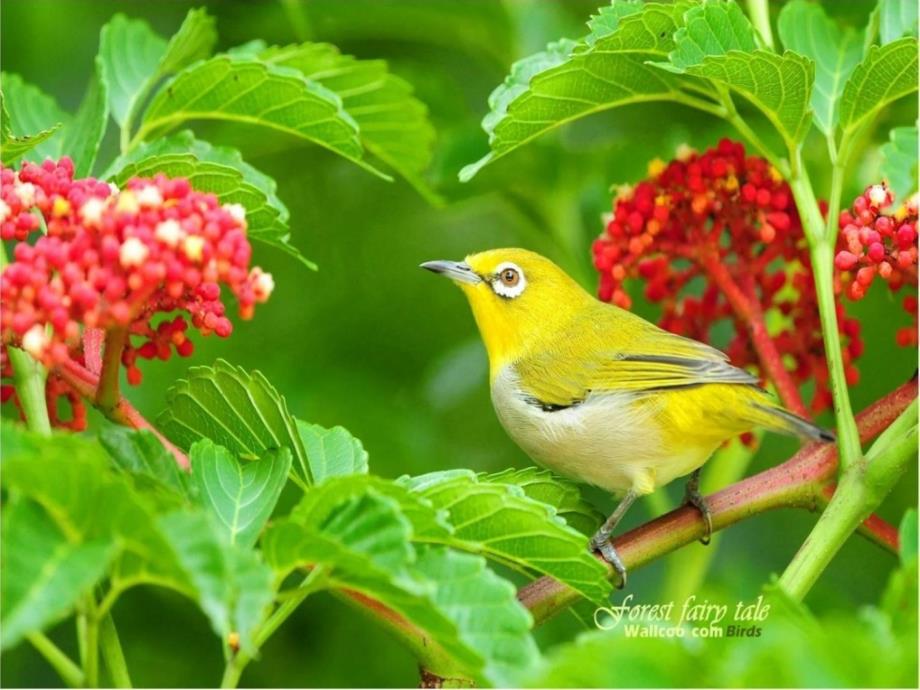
x: 805, y: 28
x: 238, y: 410
x: 32, y: 113
x: 83, y: 134
x: 711, y: 27
x: 43, y: 572
x: 194, y: 41
x: 499, y: 521
x: 230, y: 584
x: 331, y: 452
x: 241, y: 496
x: 13, y: 147
x: 221, y: 171
x: 571, y: 80
x: 251, y: 92
x: 885, y: 75
x: 392, y: 124
x: 564, y: 496
x: 717, y: 43
x: 486, y: 611
x: 140, y: 454
x: 607, y: 19
x: 364, y: 549
x: 897, y: 18
x: 899, y: 162
x: 318, y: 503
x: 779, y: 85
x: 134, y: 58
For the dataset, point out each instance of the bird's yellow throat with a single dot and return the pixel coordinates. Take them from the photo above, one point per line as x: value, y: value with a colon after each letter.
x: 514, y: 328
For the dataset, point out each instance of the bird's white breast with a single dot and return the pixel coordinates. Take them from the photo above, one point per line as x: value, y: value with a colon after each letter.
x: 607, y: 440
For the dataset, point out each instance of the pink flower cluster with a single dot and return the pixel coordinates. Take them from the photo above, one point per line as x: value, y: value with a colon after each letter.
x: 874, y: 242
x: 114, y: 259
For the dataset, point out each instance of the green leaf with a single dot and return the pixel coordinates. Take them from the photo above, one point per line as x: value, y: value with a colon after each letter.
x: 140, y: 454
x: 221, y: 171
x: 805, y: 28
x: 571, y: 80
x: 499, y: 521
x: 907, y: 536
x: 607, y: 19
x: 194, y: 41
x: 251, y: 92
x: 899, y: 162
x: 331, y: 452
x: 13, y: 147
x: 32, y: 113
x: 83, y: 134
x: 318, y: 503
x: 364, y: 549
x: 134, y: 58
x: 486, y: 611
x: 885, y: 75
x: 392, y: 124
x: 897, y: 18
x: 779, y: 85
x: 712, y: 28
x: 241, y: 496
x: 43, y: 572
x: 564, y: 496
x: 237, y: 410
x: 230, y: 584
x: 718, y: 43
x: 602, y: 659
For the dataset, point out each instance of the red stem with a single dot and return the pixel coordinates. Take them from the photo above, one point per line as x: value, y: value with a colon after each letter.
x: 107, y: 395
x: 802, y: 481
x: 749, y: 311
x: 121, y: 412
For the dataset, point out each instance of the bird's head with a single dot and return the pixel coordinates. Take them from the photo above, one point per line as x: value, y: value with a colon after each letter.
x: 519, y: 299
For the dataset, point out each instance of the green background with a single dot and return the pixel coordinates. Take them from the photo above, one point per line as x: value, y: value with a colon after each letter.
x: 373, y: 343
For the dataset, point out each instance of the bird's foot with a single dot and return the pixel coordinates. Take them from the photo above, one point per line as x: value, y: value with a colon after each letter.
x: 601, y: 544
x: 694, y: 498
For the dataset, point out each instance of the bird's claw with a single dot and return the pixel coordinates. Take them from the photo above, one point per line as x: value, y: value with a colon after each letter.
x: 606, y: 550
x: 694, y: 498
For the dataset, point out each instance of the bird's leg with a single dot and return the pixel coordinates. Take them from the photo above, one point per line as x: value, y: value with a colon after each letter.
x: 693, y: 497
x: 601, y: 539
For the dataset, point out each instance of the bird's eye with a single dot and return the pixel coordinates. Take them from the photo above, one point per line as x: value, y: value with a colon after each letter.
x: 510, y: 277
x: 508, y: 281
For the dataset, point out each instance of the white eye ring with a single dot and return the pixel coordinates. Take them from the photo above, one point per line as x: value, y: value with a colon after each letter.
x: 509, y: 288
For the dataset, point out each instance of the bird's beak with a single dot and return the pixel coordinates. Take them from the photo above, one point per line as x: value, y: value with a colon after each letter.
x: 455, y: 270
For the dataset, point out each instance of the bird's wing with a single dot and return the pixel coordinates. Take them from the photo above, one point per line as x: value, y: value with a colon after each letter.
x: 646, y: 359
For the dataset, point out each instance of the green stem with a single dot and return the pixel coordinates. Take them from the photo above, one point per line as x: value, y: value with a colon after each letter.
x: 69, y: 672
x: 822, y: 261
x: 862, y: 488
x: 88, y: 631
x: 237, y: 664
x: 730, y: 113
x: 760, y: 18
x: 112, y: 653
x: 29, y: 377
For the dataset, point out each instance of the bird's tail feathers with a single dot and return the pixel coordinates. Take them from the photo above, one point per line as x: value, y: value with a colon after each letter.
x: 777, y: 419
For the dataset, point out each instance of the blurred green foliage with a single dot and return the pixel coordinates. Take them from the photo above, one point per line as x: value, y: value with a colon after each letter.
x: 374, y: 344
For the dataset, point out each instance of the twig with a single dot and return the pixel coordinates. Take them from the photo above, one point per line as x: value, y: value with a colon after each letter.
x: 799, y: 482
x: 107, y: 394
x: 122, y: 412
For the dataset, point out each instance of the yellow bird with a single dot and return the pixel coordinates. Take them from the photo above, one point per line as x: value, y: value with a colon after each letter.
x: 601, y: 395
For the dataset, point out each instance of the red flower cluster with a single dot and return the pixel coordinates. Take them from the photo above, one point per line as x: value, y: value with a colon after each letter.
x: 113, y: 259
x: 872, y: 243
x: 717, y: 237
